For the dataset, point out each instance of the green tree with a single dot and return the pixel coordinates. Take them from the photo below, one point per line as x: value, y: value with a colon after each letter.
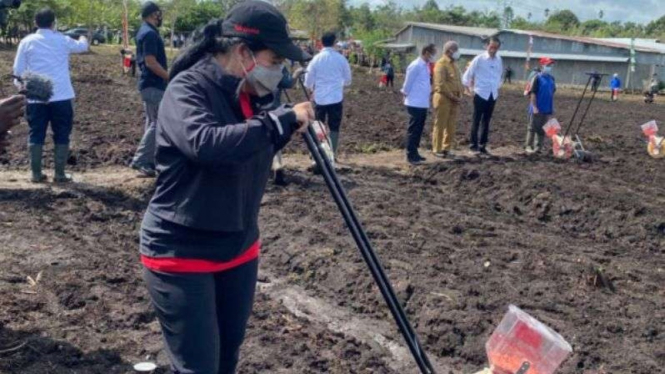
x: 562, y: 20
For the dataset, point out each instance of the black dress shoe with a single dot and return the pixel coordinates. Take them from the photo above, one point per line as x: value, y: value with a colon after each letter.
x: 280, y: 178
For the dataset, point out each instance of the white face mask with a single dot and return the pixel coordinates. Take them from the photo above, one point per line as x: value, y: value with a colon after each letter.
x: 457, y: 55
x: 264, y: 80
x: 547, y: 69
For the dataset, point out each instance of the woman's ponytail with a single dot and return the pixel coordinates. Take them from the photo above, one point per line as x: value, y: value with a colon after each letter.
x: 208, y: 39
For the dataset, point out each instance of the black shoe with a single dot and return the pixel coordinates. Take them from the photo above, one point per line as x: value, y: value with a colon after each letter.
x: 280, y: 178
x: 144, y: 171
x: 421, y: 158
x: 414, y: 160
x: 442, y: 154
x: 314, y: 169
x: 484, y: 151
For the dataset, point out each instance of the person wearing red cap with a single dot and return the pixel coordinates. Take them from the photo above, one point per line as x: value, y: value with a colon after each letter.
x: 200, y: 238
x: 541, y: 105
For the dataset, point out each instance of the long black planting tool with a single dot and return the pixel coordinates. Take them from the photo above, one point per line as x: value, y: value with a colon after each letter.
x: 594, y: 82
x: 362, y: 241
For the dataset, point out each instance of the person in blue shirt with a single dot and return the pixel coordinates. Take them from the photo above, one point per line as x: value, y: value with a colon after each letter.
x: 615, y: 85
x: 153, y: 78
x: 541, y: 106
x: 389, y: 70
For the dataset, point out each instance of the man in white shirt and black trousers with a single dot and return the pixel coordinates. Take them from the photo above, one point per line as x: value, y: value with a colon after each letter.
x: 46, y: 52
x: 484, y: 77
x: 417, y: 91
x: 327, y: 75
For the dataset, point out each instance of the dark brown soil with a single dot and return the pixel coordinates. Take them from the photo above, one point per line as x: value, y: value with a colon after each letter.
x: 460, y: 240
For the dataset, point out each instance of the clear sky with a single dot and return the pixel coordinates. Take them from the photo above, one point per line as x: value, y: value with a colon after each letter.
x: 641, y: 11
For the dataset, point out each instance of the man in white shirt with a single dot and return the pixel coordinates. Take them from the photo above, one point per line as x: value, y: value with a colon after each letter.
x: 327, y: 75
x: 483, y: 77
x: 46, y: 52
x: 417, y: 91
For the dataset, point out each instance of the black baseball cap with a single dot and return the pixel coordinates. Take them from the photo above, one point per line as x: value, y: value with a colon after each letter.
x: 148, y: 9
x: 261, y: 22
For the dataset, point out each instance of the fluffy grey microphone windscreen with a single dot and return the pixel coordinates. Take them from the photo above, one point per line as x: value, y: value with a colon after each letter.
x: 36, y: 86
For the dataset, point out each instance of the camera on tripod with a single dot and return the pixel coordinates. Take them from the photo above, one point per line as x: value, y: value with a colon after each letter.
x: 10, y: 4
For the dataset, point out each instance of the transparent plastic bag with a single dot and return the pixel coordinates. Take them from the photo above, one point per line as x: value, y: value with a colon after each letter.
x: 323, y: 139
x: 522, y: 341
x: 552, y: 127
x: 650, y: 129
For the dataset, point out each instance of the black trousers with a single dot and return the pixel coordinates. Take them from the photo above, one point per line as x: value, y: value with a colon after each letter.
x: 391, y: 81
x: 482, y: 116
x: 331, y: 115
x: 203, y: 316
x: 60, y: 114
x: 417, y: 118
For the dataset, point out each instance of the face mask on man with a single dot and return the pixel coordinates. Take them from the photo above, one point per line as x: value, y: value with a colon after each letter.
x: 547, y: 69
x: 263, y: 79
x: 457, y: 55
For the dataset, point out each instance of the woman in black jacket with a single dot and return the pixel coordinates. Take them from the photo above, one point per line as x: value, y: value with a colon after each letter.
x: 200, y: 238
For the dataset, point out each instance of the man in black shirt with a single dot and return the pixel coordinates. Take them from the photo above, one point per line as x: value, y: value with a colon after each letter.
x: 151, y: 59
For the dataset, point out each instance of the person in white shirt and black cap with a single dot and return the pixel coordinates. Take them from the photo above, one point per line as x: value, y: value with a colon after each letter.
x: 484, y: 77
x: 327, y: 75
x: 200, y: 238
x: 46, y: 52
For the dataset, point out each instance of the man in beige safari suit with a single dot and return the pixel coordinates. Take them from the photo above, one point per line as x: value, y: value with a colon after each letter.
x: 447, y: 97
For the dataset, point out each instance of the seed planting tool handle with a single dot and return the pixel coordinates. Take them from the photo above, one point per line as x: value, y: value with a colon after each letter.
x: 577, y: 108
x: 362, y: 241
x: 596, y: 80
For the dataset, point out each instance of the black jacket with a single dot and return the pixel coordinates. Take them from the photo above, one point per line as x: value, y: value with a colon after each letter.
x: 213, y: 164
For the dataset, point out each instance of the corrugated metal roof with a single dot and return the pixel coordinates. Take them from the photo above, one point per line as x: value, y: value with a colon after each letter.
x: 473, y: 31
x: 554, y: 56
x: 579, y: 39
x: 642, y: 43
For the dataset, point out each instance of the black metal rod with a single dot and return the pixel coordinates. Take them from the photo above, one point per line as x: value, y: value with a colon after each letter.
x: 577, y: 108
x: 364, y: 245
x: 593, y: 96
x: 367, y: 252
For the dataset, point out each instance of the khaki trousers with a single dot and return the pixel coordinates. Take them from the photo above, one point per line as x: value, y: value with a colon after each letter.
x: 445, y: 124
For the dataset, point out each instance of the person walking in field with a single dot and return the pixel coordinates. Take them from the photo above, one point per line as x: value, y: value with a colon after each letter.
x: 448, y: 91
x: 389, y: 70
x: 483, y: 78
x: 327, y: 75
x: 615, y: 86
x: 541, y: 106
x: 288, y: 82
x: 47, y: 52
x: 200, y: 240
x: 508, y: 75
x: 416, y: 90
x: 151, y: 59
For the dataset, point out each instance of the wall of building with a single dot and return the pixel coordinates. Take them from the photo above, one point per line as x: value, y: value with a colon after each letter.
x: 421, y: 37
x: 569, y: 72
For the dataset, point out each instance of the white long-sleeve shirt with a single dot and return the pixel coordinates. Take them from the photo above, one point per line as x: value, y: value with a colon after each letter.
x: 47, y: 52
x: 417, y: 85
x: 327, y: 75
x: 484, y: 76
